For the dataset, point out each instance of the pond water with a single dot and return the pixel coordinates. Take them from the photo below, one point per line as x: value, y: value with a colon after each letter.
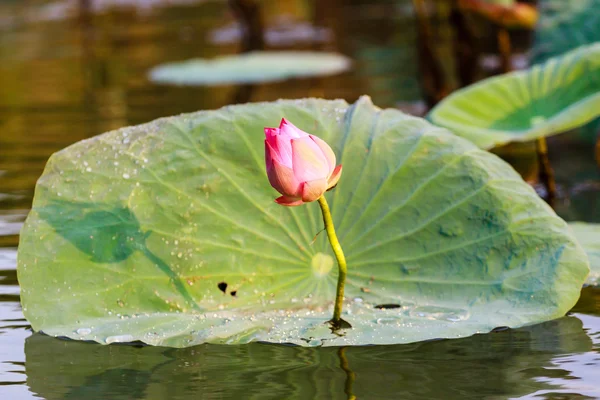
x: 66, y: 76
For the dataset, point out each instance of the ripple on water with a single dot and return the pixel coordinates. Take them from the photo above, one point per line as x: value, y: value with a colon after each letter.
x: 11, y: 221
x: 13, y: 326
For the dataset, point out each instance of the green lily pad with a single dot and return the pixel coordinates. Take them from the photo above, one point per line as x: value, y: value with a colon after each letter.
x: 254, y: 67
x: 588, y: 236
x: 167, y: 233
x: 547, y: 99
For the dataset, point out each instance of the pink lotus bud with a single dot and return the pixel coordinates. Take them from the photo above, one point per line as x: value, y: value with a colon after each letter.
x: 300, y: 166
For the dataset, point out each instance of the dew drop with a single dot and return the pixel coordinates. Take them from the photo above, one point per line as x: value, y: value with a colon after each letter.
x: 119, y: 339
x: 387, y: 321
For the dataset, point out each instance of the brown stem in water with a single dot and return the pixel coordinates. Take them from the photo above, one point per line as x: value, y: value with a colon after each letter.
x: 597, y: 149
x: 243, y: 94
x: 432, y: 79
x: 545, y: 170
x: 466, y: 48
x: 505, y: 48
x: 247, y: 12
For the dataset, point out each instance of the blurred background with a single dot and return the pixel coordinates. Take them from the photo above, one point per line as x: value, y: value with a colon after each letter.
x: 72, y: 69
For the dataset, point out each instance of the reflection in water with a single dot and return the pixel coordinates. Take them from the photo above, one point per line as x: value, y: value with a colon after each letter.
x: 589, y: 303
x: 13, y: 329
x: 284, y: 31
x: 350, y: 375
x: 499, y: 365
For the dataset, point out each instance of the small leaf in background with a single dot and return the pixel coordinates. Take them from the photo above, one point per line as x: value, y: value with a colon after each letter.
x: 562, y: 27
x: 254, y: 67
x: 547, y: 99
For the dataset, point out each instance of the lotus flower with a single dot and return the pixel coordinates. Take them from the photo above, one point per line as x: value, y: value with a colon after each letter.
x: 300, y: 166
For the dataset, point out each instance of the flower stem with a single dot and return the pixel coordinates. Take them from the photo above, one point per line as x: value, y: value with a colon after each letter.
x: 337, y: 320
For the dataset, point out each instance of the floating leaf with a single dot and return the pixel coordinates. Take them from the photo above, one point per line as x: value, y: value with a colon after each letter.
x: 588, y: 236
x: 167, y: 233
x: 547, y: 99
x: 254, y: 67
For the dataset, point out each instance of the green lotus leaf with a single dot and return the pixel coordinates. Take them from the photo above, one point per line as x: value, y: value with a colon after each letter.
x: 547, y: 99
x: 167, y: 233
x: 588, y: 236
x: 254, y: 67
